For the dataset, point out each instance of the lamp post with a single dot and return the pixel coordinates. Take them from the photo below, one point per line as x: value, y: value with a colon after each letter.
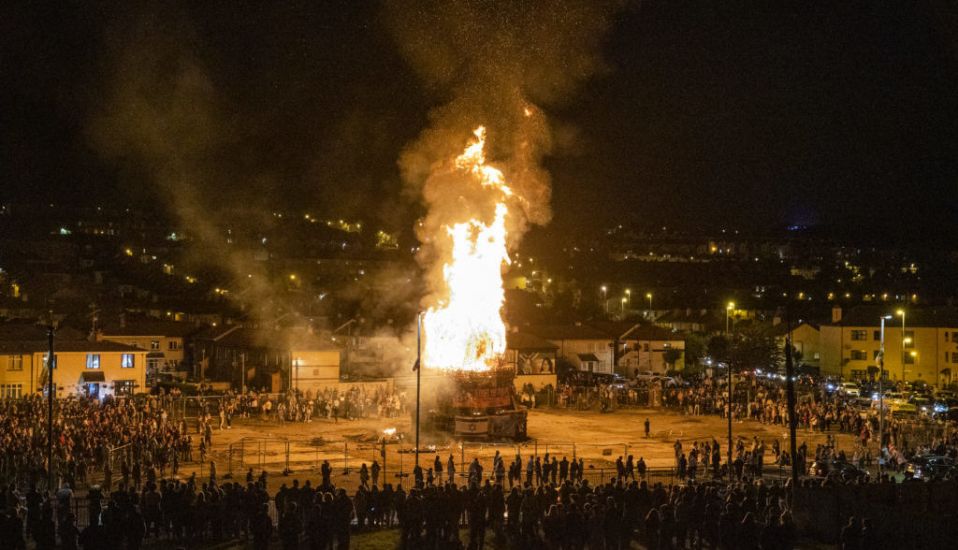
x: 51, y: 393
x: 881, y: 397
x: 628, y: 296
x: 418, y: 377
x: 728, y: 309
x: 622, y: 307
x: 902, y: 313
x: 605, y: 300
x: 649, y: 296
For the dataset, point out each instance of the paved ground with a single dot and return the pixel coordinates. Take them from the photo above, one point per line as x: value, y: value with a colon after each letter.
x: 596, y: 437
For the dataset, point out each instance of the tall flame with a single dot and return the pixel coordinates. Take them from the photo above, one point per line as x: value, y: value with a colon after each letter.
x: 465, y: 330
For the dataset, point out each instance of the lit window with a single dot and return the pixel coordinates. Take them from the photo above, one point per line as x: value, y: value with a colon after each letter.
x: 15, y: 362
x: 127, y: 361
x: 93, y: 360
x: 154, y: 344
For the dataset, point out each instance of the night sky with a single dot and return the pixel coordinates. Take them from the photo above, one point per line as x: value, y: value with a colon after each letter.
x: 836, y: 114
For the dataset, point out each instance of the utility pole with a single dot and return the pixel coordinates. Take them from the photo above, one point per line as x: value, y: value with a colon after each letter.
x: 728, y: 309
x: 51, y: 392
x: 418, y: 377
x: 790, y: 396
x: 881, y: 396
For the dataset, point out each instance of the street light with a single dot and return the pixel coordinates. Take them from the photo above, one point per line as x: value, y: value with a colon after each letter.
x: 628, y: 295
x: 881, y: 397
x: 649, y: 296
x: 902, y: 313
x: 605, y: 301
x: 728, y: 309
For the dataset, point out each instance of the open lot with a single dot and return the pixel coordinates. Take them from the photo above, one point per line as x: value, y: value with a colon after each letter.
x: 597, y: 438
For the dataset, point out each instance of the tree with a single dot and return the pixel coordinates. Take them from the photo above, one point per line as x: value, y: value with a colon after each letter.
x: 671, y: 356
x: 719, y: 349
x: 696, y: 347
x: 755, y: 348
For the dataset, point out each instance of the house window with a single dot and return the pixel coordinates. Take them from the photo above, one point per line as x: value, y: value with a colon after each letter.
x: 816, y: 356
x: 859, y: 335
x: 11, y: 391
x: 909, y: 359
x: 954, y: 357
x: 15, y: 362
x: 173, y: 345
x: 123, y: 387
x: 876, y: 336
x: 909, y: 339
x: 93, y: 360
x: 154, y: 345
x: 859, y: 355
x: 856, y: 373
x: 954, y: 337
x: 875, y: 354
x: 126, y: 361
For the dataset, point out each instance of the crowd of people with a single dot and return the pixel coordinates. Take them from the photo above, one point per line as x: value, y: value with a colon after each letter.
x: 115, y: 437
x: 564, y: 512
x: 358, y: 401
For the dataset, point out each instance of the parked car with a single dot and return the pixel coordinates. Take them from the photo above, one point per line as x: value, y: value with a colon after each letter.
x: 931, y: 467
x: 837, y: 470
x: 850, y: 389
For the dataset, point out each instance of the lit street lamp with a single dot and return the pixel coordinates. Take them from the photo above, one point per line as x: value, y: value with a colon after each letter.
x: 605, y: 300
x: 728, y: 310
x: 649, y: 296
x: 881, y: 397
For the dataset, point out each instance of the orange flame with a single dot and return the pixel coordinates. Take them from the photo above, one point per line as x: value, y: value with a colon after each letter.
x: 465, y: 331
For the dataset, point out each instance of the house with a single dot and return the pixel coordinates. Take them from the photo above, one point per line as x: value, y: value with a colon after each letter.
x: 687, y: 320
x: 920, y: 343
x: 806, y: 339
x: 649, y: 348
x: 533, y: 358
x: 264, y: 358
x: 82, y: 367
x: 166, y: 342
x: 585, y: 347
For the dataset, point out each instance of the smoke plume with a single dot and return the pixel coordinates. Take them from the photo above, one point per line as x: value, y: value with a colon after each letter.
x: 163, y: 124
x: 496, y: 64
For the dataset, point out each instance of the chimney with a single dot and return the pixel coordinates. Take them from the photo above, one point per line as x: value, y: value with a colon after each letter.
x: 837, y: 314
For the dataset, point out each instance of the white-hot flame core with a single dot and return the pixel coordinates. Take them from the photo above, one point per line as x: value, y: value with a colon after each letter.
x: 465, y: 331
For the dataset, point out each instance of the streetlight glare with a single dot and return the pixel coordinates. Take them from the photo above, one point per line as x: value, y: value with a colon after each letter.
x: 648, y: 295
x: 730, y: 306
x: 900, y: 312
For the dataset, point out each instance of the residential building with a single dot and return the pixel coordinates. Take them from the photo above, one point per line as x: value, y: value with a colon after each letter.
x: 585, y: 347
x: 927, y: 348
x: 166, y: 342
x: 806, y: 339
x: 263, y: 358
x: 95, y: 369
x: 646, y: 348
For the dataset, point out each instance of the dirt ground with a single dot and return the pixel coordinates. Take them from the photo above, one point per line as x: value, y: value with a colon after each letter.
x: 597, y: 438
